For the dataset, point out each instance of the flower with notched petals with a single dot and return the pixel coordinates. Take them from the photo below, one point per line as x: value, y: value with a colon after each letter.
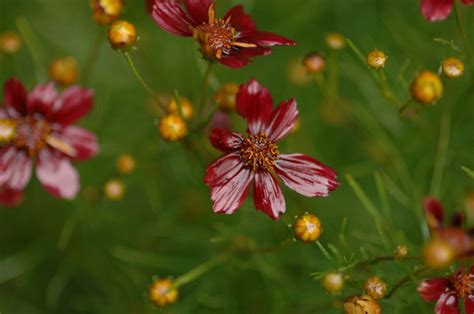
x: 439, y: 10
x: 43, y: 134
x: 255, y: 157
x: 231, y: 40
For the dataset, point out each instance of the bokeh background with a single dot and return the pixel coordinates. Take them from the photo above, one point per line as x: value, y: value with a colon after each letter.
x: 94, y: 255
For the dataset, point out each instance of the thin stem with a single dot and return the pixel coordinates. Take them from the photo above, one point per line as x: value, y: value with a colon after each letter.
x: 405, y: 280
x: 205, y: 87
x: 357, y: 51
x: 92, y: 57
x: 142, y: 81
x: 441, y: 156
x: 199, y: 270
x: 460, y: 26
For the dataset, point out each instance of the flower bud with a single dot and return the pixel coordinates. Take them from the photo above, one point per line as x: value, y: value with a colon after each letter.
x: 64, y: 71
x: 314, y: 63
x: 453, y: 67
x: 162, y: 292
x: 225, y: 97
x: 438, y: 254
x: 333, y: 282
x: 307, y: 228
x: 376, y: 59
x: 375, y: 288
x: 401, y: 252
x: 106, y: 11
x: 114, y: 189
x: 172, y: 127
x: 297, y: 73
x: 427, y: 88
x: 125, y: 164
x: 361, y: 305
x: 7, y: 130
x: 335, y: 41
x: 186, y: 108
x: 10, y: 42
x: 122, y: 35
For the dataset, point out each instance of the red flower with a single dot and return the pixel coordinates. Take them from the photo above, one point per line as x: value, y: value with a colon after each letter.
x: 42, y: 133
x: 9, y: 197
x: 149, y: 6
x: 454, y: 234
x: 438, y: 10
x: 448, y: 290
x: 232, y: 40
x: 255, y: 157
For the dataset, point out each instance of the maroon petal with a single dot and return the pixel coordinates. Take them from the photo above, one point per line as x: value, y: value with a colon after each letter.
x: 265, y: 39
x: 468, y: 1
x: 268, y: 196
x: 149, y: 6
x: 430, y: 290
x: 10, y: 198
x: 251, y: 52
x: 234, y: 61
x: 229, y: 197
x: 198, y: 9
x: 73, y: 104
x: 436, y: 10
x: 82, y: 144
x: 14, y: 95
x: 306, y: 175
x: 226, y: 141
x: 41, y: 99
x: 223, y: 169
x: 469, y: 303
x: 15, y: 168
x: 448, y: 303
x: 434, y: 212
x: 240, y: 20
x: 255, y: 103
x: 283, y: 120
x: 57, y: 175
x: 169, y: 15
x: 458, y: 219
x: 220, y: 120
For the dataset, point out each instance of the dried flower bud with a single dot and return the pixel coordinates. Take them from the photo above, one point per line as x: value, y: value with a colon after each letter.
x: 162, y: 292
x: 333, y: 282
x: 438, y: 254
x: 307, y: 228
x: 335, y: 41
x: 106, y: 11
x: 186, y: 107
x: 225, y: 96
x: 114, y: 189
x: 314, y: 63
x: 10, y: 42
x: 64, y: 71
x: 375, y: 288
x: 376, y: 59
x: 401, y: 252
x: 7, y: 130
x: 122, y: 35
x: 125, y: 164
x: 427, y: 88
x: 361, y: 305
x: 172, y: 127
x: 453, y: 67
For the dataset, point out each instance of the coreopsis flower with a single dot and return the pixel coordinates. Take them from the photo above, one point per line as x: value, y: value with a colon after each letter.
x: 255, y: 157
x: 427, y: 88
x: 307, y: 228
x: 231, y: 40
x: 376, y: 59
x: 9, y: 197
x: 447, y: 291
x: 439, y: 10
x: 42, y: 133
x: 162, y: 292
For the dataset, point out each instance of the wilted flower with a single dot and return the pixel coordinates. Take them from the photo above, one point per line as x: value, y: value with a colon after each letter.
x: 255, y: 156
x: 375, y: 288
x: 64, y: 71
x: 307, y: 228
x: 231, y: 40
x: 162, y: 292
x: 333, y: 282
x: 453, y: 67
x: 43, y: 134
x: 114, y: 189
x: 438, y: 10
x: 172, y: 127
x: 122, y: 35
x: 427, y: 88
x: 361, y: 305
x: 10, y: 42
x: 106, y: 11
x: 447, y: 291
x: 376, y: 59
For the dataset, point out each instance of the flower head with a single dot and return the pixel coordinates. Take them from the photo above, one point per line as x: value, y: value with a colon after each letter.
x: 122, y: 35
x: 114, y: 189
x: 333, y: 282
x: 447, y: 291
x: 231, y: 40
x: 106, y: 11
x: 255, y: 157
x: 186, y: 107
x: 307, y: 228
x: 162, y: 292
x: 125, y: 164
x: 64, y: 71
x: 10, y: 42
x: 361, y: 305
x: 439, y: 10
x: 172, y: 127
x: 453, y: 67
x: 376, y: 59
x: 44, y: 135
x: 427, y: 88
x: 314, y: 63
x: 375, y: 288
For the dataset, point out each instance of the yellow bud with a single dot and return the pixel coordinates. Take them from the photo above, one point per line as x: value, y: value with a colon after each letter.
x: 7, y: 130
x: 401, y: 252
x: 122, y: 35
x: 162, y: 293
x: 376, y: 59
x: 314, y: 63
x: 125, y: 164
x: 114, y: 189
x: 307, y: 228
x: 64, y: 71
x: 427, y: 88
x: 361, y: 305
x: 453, y: 67
x: 375, y: 288
x: 106, y: 11
x: 172, y: 128
x: 438, y: 254
x: 10, y: 42
x: 335, y: 41
x: 298, y: 74
x: 333, y: 282
x: 225, y: 97
x: 186, y: 107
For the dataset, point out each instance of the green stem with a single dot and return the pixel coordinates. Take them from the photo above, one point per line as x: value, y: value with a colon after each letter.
x: 142, y: 81
x: 199, y: 270
x: 205, y: 88
x: 92, y: 57
x: 357, y: 51
x: 460, y: 26
x: 441, y: 156
x: 405, y: 280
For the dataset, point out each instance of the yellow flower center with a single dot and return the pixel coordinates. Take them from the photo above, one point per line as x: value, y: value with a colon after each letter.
x: 259, y: 152
x: 464, y: 284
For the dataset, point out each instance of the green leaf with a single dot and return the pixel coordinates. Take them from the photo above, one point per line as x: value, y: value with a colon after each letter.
x: 468, y: 171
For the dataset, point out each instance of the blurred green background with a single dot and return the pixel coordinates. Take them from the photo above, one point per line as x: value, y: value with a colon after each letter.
x: 99, y: 256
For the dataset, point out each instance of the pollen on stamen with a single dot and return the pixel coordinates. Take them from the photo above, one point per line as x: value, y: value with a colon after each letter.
x: 259, y: 152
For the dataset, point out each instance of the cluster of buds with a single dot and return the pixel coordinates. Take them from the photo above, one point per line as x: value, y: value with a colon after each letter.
x: 172, y: 127
x: 114, y: 189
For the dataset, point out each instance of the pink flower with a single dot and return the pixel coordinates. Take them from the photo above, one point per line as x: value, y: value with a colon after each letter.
x: 255, y: 158
x: 231, y: 40
x: 42, y: 133
x: 438, y: 10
